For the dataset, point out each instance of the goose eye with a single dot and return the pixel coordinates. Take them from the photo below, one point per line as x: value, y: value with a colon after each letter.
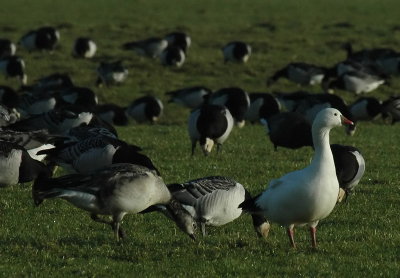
x: 335, y: 114
x: 194, y: 225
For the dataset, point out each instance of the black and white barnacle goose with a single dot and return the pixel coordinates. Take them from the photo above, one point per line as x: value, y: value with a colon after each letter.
x: 214, y: 201
x: 391, y: 108
x: 151, y: 47
x: 93, y: 153
x: 32, y: 141
x: 191, y: 97
x: 16, y: 165
x: 236, y: 52
x: 388, y: 59
x: 115, y: 190
x: 13, y: 66
x: 235, y: 99
x: 111, y: 73
x: 262, y: 106
x: 366, y: 109
x: 112, y: 114
x: 8, y: 96
x: 172, y: 56
x: 350, y: 166
x: 209, y: 124
x: 84, y: 48
x: 77, y: 95
x: 7, y: 48
x: 300, y: 73
x: 356, y: 82
x: 289, y: 130
x: 309, y: 105
x: 34, y: 104
x: 44, y: 38
x: 56, y: 121
x: 145, y: 109
x: 179, y: 39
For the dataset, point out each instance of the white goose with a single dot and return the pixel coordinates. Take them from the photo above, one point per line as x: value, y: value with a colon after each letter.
x: 306, y: 196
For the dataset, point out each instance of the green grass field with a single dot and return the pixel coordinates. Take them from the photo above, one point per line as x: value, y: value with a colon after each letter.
x: 58, y: 240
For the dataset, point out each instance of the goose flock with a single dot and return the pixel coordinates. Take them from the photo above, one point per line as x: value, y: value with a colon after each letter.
x: 52, y: 122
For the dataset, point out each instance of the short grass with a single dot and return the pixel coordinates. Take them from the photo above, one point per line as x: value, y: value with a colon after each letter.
x: 59, y: 240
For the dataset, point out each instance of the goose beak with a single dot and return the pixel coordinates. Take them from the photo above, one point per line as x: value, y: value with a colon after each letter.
x: 345, y: 121
x: 193, y: 236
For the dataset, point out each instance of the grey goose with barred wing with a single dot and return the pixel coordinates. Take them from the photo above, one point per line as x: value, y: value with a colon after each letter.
x: 16, y: 166
x: 93, y: 153
x: 209, y: 124
x: 82, y: 132
x: 391, y: 108
x: 115, y: 190
x: 214, y: 201
x: 56, y: 121
x: 191, y: 97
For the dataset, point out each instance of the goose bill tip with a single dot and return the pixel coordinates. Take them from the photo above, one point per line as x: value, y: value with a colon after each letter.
x: 346, y: 121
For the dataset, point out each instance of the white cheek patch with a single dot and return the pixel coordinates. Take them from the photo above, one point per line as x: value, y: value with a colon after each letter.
x: 207, y: 147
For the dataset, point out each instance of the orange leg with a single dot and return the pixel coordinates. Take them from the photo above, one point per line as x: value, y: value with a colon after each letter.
x: 290, y: 235
x: 313, y: 238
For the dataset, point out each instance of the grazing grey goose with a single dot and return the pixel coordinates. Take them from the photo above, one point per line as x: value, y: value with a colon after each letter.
x: 191, y: 97
x: 214, y: 201
x: 350, y: 166
x: 236, y: 51
x: 235, y: 99
x: 44, y: 39
x: 300, y: 73
x: 93, y: 153
x: 17, y: 166
x: 304, y: 197
x: 82, y: 132
x: 84, y: 48
x: 172, y: 56
x: 179, y: 39
x: 115, y: 190
x: 7, y: 48
x: 145, y: 109
x: 209, y: 124
x: 262, y: 106
x: 13, y: 66
x: 152, y: 47
x: 111, y: 73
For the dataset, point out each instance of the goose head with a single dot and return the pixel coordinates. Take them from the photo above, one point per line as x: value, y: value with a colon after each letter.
x: 183, y: 219
x: 329, y: 118
x: 207, y: 146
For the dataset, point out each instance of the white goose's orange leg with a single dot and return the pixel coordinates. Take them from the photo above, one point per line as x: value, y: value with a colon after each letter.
x: 290, y: 235
x: 313, y: 238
